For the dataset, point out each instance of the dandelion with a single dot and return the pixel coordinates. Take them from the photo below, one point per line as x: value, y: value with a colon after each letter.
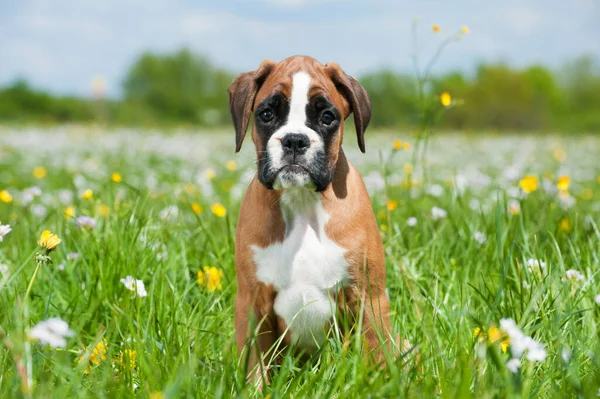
x: 85, y: 222
x: 464, y: 30
x: 134, y: 285
x: 87, y: 194
x: 397, y: 145
x: 514, y: 207
x: 446, y: 99
x: 210, y: 277
x: 493, y: 336
x: 97, y: 355
x: 563, y: 183
x: 197, y: 208
x: 479, y: 237
x: 51, y: 332
x: 69, y: 212
x: 383, y: 227
x: 406, y: 146
x: 392, y: 205
x: 565, y: 225
x: 436, y: 28
x: 573, y: 276
x: 128, y: 358
x: 231, y: 166
x: 39, y: 172
x: 5, y: 197
x: 49, y: 241
x: 529, y: 184
x: 4, y: 230
x: 438, y: 213
x: 116, y: 177
x: 219, y: 210
x: 411, y: 221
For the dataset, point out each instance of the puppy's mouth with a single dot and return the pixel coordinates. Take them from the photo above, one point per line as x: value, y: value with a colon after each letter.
x: 293, y: 169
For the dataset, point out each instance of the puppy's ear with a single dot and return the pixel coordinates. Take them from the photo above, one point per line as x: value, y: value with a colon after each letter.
x: 241, y: 98
x: 357, y: 97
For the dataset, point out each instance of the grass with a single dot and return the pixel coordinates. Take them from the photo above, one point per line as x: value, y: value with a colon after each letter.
x: 442, y: 282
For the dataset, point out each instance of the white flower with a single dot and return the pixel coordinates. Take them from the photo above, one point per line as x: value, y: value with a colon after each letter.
x: 65, y: 197
x: 438, y: 213
x: 566, y: 354
x: 4, y: 230
x: 479, y: 237
x: 52, y: 332
x: 566, y: 200
x: 39, y: 210
x: 411, y: 221
x: 514, y: 207
x: 513, y: 365
x: 536, y: 351
x: 169, y: 213
x: 573, y: 275
x: 29, y: 194
x: 521, y: 343
x: 4, y: 270
x: 134, y: 285
x: 597, y: 299
x: 475, y: 204
x: 85, y: 222
x: 533, y: 264
x: 435, y: 190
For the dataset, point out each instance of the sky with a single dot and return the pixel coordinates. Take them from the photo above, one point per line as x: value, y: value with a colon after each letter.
x: 61, y: 45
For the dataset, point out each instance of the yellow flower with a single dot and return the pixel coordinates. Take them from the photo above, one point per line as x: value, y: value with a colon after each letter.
x: 446, y: 99
x: 408, y: 168
x: 382, y: 215
x: 87, y: 194
x: 464, y: 30
x: 392, y: 205
x: 406, y: 146
x: 563, y: 183
x: 210, y: 173
x: 69, y: 212
x: 565, y: 225
x: 116, y: 177
x: 219, y: 210
x: 39, y: 172
x: 103, y: 210
x: 384, y: 227
x: 210, y: 277
x: 493, y: 336
x: 197, y: 208
x: 5, y: 197
x: 529, y: 184
x: 231, y: 166
x: 436, y: 28
x: 560, y: 155
x: 48, y: 240
x: 128, y: 358
x: 397, y: 145
x: 96, y: 357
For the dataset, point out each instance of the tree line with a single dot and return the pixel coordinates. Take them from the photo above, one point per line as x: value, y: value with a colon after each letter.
x: 183, y: 88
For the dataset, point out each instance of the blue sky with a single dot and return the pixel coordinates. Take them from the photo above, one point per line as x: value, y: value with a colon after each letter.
x: 60, y: 45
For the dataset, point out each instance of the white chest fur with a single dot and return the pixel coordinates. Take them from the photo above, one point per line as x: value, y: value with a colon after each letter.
x: 306, y: 269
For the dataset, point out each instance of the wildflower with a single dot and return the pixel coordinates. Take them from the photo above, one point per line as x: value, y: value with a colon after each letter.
x: 434, y: 190
x: 406, y: 146
x: 513, y: 365
x: 219, y: 210
x: 565, y: 225
x: 231, y: 166
x: 190, y: 188
x: 128, y: 358
x: 169, y: 213
x: 573, y: 275
x: 48, y: 240
x: 116, y: 177
x: 72, y: 255
x: 5, y: 197
x: 85, y: 222
x: 529, y: 184
x: 560, y: 155
x: 29, y: 194
x: 39, y: 210
x: 479, y: 237
x: 87, y: 194
x: 97, y: 355
x: 597, y: 299
x: 39, y: 172
x: 210, y: 173
x: 408, y: 168
x: 211, y: 277
x: 566, y: 354
x: 563, y: 183
x: 535, y: 264
x: 197, y: 208
x: 134, y: 285
x: 397, y: 145
x: 103, y: 210
x: 436, y: 28
x: 464, y: 30
x: 4, y: 270
x: 566, y: 200
x: 383, y: 227
x: 514, y: 207
x: 4, y: 230
x: 521, y: 343
x: 69, y: 212
x: 494, y: 335
x: 52, y: 332
x: 392, y: 205
x: 411, y: 221
x: 446, y: 99
x: 438, y: 213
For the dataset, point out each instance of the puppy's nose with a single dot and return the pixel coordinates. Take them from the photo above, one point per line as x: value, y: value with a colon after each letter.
x: 295, y: 143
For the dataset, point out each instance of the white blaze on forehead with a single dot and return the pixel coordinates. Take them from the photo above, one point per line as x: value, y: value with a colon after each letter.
x: 299, y: 98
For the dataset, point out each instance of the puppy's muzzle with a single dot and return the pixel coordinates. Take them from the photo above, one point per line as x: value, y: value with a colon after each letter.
x: 295, y: 144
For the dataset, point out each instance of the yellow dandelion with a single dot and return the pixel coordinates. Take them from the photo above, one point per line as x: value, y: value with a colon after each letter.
x: 464, y: 30
x: 406, y: 146
x: 5, y: 197
x: 231, y: 166
x: 219, y: 210
x: 436, y: 28
x: 210, y: 173
x: 96, y: 357
x: 408, y: 168
x: 384, y: 227
x: 103, y: 210
x: 39, y: 172
x: 529, y: 184
x: 69, y: 212
x: 210, y: 277
x: 494, y: 336
x: 48, y: 240
x: 565, y: 225
x: 446, y: 99
x: 87, y: 194
x: 392, y: 205
x: 116, y: 177
x: 397, y: 145
x: 563, y: 183
x: 197, y: 208
x: 128, y: 358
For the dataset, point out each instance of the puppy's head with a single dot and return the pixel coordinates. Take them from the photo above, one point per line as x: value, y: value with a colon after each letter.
x: 299, y: 106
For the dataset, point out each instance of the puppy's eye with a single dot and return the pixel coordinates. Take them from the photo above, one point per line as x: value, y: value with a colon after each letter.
x: 327, y: 118
x: 266, y: 115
